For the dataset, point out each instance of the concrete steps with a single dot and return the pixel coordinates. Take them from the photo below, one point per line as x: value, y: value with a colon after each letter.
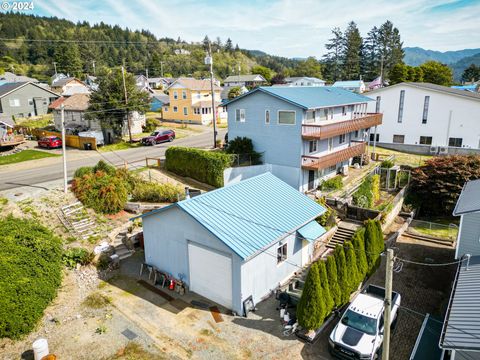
x: 341, y: 235
x: 120, y: 249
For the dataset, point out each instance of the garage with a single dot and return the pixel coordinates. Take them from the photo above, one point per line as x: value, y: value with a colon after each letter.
x: 210, y: 274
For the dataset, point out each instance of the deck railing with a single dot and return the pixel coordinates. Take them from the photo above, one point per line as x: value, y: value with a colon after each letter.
x: 11, y: 140
x: 319, y: 131
x: 322, y: 162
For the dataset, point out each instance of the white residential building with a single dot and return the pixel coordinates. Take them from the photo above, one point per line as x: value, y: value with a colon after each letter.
x: 304, y: 81
x: 357, y: 86
x: 427, y: 118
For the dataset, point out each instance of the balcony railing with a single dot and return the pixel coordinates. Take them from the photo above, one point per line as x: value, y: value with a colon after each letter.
x: 319, y: 131
x: 11, y: 140
x: 322, y: 162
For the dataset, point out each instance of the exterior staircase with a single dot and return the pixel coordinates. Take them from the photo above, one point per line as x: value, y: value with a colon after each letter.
x: 120, y: 249
x: 344, y: 233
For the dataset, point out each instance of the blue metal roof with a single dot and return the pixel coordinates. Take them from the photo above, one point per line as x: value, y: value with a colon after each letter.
x: 309, y: 97
x: 250, y: 215
x: 348, y: 83
x: 311, y: 231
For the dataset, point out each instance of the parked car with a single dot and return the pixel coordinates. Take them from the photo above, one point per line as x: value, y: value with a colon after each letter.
x: 159, y: 136
x: 359, y: 333
x: 50, y: 142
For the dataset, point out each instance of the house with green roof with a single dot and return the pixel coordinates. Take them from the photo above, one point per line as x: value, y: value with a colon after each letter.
x: 306, y: 134
x: 237, y: 243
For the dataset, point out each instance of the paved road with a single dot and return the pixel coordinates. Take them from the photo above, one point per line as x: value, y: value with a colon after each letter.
x: 36, y: 172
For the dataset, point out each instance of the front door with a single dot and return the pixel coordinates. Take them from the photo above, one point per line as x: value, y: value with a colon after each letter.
x: 311, y: 179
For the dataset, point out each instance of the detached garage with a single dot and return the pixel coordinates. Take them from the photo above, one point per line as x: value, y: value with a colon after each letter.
x: 237, y: 242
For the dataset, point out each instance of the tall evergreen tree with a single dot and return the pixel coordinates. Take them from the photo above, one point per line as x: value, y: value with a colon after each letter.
x: 311, y: 307
x: 333, y: 57
x: 390, y: 47
x: 327, y: 295
x: 370, y: 66
x: 358, y: 241
x: 333, y: 281
x: 371, y: 243
x: 229, y: 45
x: 67, y: 57
x: 351, y: 52
x: 471, y: 73
x: 352, y: 269
x: 343, y: 279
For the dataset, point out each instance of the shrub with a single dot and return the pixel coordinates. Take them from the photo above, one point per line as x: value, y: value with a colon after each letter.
x: 30, y: 273
x: 342, y: 275
x: 333, y: 281
x: 387, y: 164
x: 311, y: 307
x: 376, y: 188
x: 358, y: 241
x: 83, y: 170
x: 201, y: 165
x: 104, y: 167
x: 334, y: 183
x: 372, y: 243
x: 155, y: 192
x: 327, y: 295
x: 151, y: 125
x: 96, y: 301
x: 77, y: 255
x: 102, y: 192
x: 352, y: 269
x: 242, y: 147
x: 364, y: 196
x: 327, y: 219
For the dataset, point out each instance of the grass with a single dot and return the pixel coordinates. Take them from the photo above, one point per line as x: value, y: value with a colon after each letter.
x: 25, y: 155
x: 96, y: 301
x: 402, y: 158
x: 119, y: 146
x: 443, y: 233
x: 36, y: 123
x: 134, y: 351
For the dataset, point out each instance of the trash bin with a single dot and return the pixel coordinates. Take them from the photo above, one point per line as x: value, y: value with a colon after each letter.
x: 87, y: 146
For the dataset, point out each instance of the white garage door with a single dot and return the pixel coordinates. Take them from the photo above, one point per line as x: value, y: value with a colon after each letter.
x: 210, y: 274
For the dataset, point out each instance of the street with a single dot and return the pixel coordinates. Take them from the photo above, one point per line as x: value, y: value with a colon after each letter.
x: 34, y: 172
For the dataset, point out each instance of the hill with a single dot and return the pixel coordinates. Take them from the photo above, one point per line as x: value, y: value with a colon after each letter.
x: 415, y: 56
x: 459, y: 66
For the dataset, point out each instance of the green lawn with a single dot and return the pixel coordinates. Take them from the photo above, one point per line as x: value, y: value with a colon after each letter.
x: 402, y: 158
x: 442, y: 233
x: 25, y: 155
x: 119, y: 146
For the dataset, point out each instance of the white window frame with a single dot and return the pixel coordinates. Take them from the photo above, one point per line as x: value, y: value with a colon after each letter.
x: 397, y: 142
x: 426, y: 103
x: 267, y: 117
x: 239, y: 115
x: 14, y: 102
x: 342, y: 138
x: 282, y: 253
x: 184, y: 94
x: 401, y: 104
x: 288, y: 111
x: 175, y: 95
x: 185, y: 110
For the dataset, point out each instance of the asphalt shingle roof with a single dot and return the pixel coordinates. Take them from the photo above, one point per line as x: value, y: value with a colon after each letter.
x: 462, y: 323
x: 310, y: 97
x: 469, y: 199
x: 250, y: 215
x: 8, y: 87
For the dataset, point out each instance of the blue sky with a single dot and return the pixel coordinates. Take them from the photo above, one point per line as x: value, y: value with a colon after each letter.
x: 293, y: 28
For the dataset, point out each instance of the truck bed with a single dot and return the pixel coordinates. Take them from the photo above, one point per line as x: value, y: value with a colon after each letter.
x: 379, y: 292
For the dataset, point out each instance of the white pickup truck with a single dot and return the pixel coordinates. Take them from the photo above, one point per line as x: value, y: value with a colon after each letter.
x: 359, y: 333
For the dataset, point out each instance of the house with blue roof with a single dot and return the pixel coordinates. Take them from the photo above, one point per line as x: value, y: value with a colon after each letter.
x: 306, y: 134
x: 236, y: 243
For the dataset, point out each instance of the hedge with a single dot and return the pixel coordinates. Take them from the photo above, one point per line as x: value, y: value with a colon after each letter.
x: 334, y: 183
x: 368, y: 192
x: 30, y: 273
x: 155, y: 192
x: 204, y: 166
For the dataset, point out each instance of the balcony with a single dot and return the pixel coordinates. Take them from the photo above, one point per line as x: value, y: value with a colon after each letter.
x: 322, y: 162
x: 334, y: 128
x: 12, y: 140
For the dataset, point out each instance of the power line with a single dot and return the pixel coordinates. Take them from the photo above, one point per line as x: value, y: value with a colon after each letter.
x: 429, y: 264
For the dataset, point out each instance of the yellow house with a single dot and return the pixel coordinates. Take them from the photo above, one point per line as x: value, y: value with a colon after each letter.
x: 190, y: 101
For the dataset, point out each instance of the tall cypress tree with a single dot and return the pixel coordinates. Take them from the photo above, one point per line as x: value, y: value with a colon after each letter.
x: 358, y: 241
x: 379, y: 237
x: 333, y: 281
x: 343, y: 279
x: 352, y: 269
x: 329, y: 303
x: 311, y: 307
x: 371, y: 243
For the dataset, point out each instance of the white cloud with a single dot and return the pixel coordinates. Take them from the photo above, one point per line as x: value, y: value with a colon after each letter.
x: 284, y: 27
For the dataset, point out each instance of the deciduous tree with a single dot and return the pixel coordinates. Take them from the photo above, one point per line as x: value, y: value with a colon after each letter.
x: 437, y: 73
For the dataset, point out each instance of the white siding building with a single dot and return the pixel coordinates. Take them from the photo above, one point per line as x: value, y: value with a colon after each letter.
x: 427, y: 118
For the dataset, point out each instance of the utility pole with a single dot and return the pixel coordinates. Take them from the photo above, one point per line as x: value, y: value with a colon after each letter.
x: 55, y: 66
x: 209, y: 61
x: 93, y: 64
x: 126, y: 103
x: 388, y: 305
x: 64, y: 150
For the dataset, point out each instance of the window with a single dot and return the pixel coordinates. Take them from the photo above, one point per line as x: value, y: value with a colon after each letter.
x: 196, y: 111
x: 286, y: 117
x: 456, y: 142
x: 281, y: 253
x: 356, y: 134
x: 344, y: 110
x: 325, y: 114
x: 175, y: 95
x: 240, y: 115
x: 331, y: 113
x: 399, y: 139
x: 175, y: 109
x: 30, y: 102
x: 312, y: 146
x: 310, y: 117
x: 165, y: 109
x: 425, y: 109
x: 330, y: 144
x: 341, y: 139
x: 184, y: 94
x: 377, y: 104
x: 400, y: 106
x: 267, y: 117
x: 374, y: 138
x: 14, y: 102
x: 425, y: 140
x: 199, y: 95
x: 185, y: 110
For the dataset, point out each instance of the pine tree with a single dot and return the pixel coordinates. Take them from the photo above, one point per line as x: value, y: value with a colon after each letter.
x: 329, y: 303
x: 351, y: 52
x: 358, y: 241
x: 311, y: 307
x: 229, y: 45
x: 371, y: 60
x: 333, y: 281
x: 390, y: 47
x: 333, y: 57
x: 206, y: 42
x: 352, y: 269
x: 343, y: 279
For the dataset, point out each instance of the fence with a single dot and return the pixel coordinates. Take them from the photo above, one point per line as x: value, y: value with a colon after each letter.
x: 75, y: 141
x: 247, y: 159
x: 432, y: 229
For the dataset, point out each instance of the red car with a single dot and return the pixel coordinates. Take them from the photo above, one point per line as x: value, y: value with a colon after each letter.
x: 159, y: 136
x: 50, y: 142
